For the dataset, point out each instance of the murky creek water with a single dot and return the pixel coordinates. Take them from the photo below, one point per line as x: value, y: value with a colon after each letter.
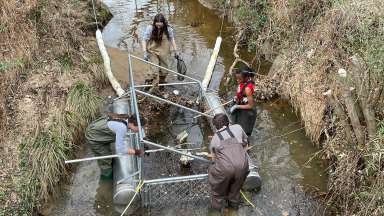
x: 281, y: 148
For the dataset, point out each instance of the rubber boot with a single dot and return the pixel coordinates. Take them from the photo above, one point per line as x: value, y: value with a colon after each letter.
x: 162, y: 81
x: 147, y: 82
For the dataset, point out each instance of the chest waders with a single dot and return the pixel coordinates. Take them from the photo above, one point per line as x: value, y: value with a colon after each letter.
x: 246, y: 118
x: 159, y: 54
x: 101, y: 139
x: 227, y: 175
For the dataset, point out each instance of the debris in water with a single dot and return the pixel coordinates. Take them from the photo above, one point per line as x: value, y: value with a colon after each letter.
x: 181, y: 137
x: 185, y: 161
x: 176, y: 92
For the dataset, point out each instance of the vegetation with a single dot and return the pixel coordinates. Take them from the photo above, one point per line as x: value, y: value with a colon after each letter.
x: 43, y: 111
x: 329, y: 57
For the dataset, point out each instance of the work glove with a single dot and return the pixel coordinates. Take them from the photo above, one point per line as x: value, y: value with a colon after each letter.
x: 146, y: 56
x: 233, y: 108
x: 234, y: 100
x: 177, y: 55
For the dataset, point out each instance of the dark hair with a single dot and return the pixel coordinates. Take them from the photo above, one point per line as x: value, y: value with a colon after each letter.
x: 132, y: 119
x: 246, y: 71
x: 157, y: 34
x: 220, y: 120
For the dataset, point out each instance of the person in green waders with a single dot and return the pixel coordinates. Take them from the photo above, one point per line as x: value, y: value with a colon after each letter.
x: 158, y: 43
x: 109, y: 128
x: 244, y: 111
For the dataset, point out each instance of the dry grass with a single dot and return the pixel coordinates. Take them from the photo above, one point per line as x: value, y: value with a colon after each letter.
x: 45, y: 50
x: 312, y: 40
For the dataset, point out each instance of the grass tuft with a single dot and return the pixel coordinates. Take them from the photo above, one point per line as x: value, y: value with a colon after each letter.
x: 82, y: 106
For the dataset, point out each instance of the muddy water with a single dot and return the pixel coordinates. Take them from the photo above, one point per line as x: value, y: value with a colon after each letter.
x: 281, y: 148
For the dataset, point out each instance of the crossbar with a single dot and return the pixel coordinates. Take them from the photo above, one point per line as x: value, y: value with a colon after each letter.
x: 168, y: 84
x: 176, y: 179
x: 175, y: 104
x: 164, y: 68
x: 176, y: 151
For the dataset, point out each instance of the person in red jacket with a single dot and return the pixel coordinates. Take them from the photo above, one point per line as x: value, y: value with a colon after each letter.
x: 244, y: 111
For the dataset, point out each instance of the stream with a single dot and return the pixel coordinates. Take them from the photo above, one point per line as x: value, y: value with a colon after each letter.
x: 282, y: 151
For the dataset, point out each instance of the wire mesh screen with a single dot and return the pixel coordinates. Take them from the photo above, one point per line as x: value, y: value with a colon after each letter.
x: 193, y: 191
x: 183, y: 185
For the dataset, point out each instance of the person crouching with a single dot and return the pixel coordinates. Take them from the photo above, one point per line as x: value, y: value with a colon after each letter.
x: 230, y: 169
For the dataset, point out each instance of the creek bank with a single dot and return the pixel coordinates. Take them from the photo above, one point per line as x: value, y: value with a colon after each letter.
x: 48, y: 97
x: 327, y: 60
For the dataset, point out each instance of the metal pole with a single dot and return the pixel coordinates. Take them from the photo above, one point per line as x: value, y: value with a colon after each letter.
x: 175, y: 151
x: 134, y: 97
x: 168, y: 84
x: 164, y: 68
x: 176, y: 179
x: 95, y: 158
x: 136, y: 110
x: 175, y: 104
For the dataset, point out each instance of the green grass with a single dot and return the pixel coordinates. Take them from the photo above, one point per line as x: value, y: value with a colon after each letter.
x: 42, y: 154
x: 81, y: 107
x: 65, y: 61
x: 3, y: 28
x: 8, y: 65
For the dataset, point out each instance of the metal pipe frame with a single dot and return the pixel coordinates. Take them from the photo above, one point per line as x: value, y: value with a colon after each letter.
x: 176, y: 179
x: 136, y: 110
x: 95, y: 158
x: 164, y: 68
x: 168, y: 84
x: 176, y: 151
x: 175, y: 104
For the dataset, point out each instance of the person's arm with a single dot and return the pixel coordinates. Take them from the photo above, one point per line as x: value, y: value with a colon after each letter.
x: 212, y: 146
x: 174, y: 46
x: 146, y: 37
x: 172, y: 39
x: 212, y: 156
x: 144, y: 45
x: 248, y: 93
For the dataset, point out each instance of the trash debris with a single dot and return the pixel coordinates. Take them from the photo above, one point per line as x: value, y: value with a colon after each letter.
x: 182, y: 137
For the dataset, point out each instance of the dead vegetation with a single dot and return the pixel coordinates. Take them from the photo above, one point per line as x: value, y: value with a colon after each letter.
x: 48, y: 69
x: 328, y: 61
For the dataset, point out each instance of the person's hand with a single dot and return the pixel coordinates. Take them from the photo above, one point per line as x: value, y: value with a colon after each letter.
x: 234, y: 100
x: 146, y: 56
x: 131, y: 151
x: 233, y: 108
x: 177, y: 55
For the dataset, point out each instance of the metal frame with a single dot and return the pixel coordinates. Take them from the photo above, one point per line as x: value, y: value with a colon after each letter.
x: 139, y: 138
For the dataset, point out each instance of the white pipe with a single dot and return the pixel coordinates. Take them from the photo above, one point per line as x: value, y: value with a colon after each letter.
x: 212, y: 63
x: 107, y: 64
x: 93, y: 158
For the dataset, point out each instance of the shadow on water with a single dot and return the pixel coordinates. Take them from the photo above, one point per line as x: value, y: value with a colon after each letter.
x: 281, y: 149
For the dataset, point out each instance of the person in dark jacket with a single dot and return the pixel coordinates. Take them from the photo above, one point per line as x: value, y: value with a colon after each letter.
x: 244, y: 111
x: 230, y: 169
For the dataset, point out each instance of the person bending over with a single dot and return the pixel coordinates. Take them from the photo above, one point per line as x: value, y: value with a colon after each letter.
x: 230, y: 169
x: 109, y: 128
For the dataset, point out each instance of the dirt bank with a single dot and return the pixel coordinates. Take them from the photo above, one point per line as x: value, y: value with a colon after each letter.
x: 50, y: 75
x: 328, y: 60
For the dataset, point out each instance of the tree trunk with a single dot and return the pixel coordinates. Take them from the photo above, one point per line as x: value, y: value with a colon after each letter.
x: 342, y: 117
x: 365, y: 96
x: 353, y: 116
